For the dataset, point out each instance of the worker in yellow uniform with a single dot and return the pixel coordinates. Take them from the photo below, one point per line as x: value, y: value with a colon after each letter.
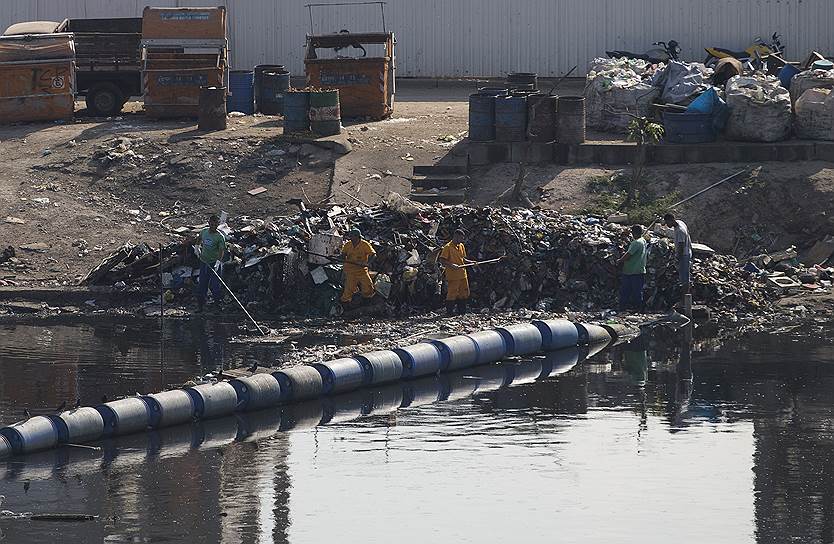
x: 453, y: 258
x: 356, y: 253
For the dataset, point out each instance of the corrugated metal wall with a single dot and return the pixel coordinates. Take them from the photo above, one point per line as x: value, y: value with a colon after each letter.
x: 463, y: 38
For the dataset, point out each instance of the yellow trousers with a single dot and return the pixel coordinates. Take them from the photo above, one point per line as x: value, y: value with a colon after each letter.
x: 457, y: 289
x: 357, y: 281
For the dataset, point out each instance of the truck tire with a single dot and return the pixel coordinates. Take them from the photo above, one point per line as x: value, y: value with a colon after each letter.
x: 105, y: 100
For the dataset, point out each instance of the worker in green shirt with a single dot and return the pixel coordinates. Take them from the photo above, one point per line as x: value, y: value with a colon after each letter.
x: 212, y: 245
x: 634, y: 272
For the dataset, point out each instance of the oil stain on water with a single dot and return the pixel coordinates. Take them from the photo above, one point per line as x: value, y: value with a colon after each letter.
x: 654, y: 441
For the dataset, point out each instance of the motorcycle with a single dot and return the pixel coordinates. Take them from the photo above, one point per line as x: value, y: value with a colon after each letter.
x: 664, y: 53
x: 756, y: 53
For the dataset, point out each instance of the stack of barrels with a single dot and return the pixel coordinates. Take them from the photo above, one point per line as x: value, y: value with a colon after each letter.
x: 519, y: 112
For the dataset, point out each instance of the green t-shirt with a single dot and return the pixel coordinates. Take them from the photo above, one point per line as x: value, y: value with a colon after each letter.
x: 635, y: 263
x: 212, y: 245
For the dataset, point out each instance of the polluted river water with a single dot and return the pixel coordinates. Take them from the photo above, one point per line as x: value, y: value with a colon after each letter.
x: 655, y: 441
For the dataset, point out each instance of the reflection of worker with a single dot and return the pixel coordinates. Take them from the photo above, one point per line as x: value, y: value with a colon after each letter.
x: 212, y: 245
x: 636, y: 361
x: 683, y: 249
x: 634, y: 272
x: 356, y: 253
x: 453, y: 257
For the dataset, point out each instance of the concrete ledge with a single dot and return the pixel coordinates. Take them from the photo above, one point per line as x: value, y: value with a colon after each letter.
x: 623, y: 154
x: 531, y: 152
x: 485, y: 153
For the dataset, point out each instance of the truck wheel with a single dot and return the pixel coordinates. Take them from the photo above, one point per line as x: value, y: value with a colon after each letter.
x: 105, y: 100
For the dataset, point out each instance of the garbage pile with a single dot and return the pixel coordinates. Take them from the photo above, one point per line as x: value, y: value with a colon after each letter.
x: 615, y: 87
x: 814, y: 114
x: 553, y: 261
x: 681, y: 82
x: 760, y: 109
x: 810, y: 79
x: 764, y: 104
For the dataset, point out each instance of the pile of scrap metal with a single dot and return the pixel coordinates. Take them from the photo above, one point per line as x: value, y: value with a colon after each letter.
x: 288, y: 265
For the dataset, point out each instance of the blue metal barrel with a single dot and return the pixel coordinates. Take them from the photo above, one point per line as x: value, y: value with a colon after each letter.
x: 257, y: 391
x: 80, y: 425
x: 420, y: 359
x: 557, y: 333
x: 457, y: 352
x: 341, y: 375
x: 688, y: 128
x: 522, y: 339
x: 786, y: 75
x: 491, y: 346
x: 381, y: 366
x: 125, y: 416
x: 299, y: 383
x: 241, y: 91
x: 510, y: 118
x: 590, y: 334
x: 482, y: 117
x: 559, y: 361
x: 170, y: 408
x: 213, y: 400
x: 35, y: 434
x: 296, y: 111
x: 274, y: 86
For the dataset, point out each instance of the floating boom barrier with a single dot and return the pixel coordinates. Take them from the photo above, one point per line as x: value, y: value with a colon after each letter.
x: 429, y: 371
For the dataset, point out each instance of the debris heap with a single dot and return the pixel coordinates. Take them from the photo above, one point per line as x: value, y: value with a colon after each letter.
x: 552, y: 261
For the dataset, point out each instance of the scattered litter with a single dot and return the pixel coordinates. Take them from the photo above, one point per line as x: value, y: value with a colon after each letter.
x: 256, y: 191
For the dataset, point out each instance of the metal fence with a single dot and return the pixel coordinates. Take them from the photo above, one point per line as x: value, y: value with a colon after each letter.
x: 468, y: 38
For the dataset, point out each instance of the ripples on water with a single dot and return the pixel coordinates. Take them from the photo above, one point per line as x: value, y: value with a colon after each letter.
x: 734, y: 444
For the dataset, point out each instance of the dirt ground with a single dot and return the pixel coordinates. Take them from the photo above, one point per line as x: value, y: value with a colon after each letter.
x: 70, y: 193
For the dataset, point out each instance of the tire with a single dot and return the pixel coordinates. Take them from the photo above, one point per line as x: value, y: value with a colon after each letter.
x: 105, y: 100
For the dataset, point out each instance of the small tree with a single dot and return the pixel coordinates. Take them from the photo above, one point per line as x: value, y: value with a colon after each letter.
x: 643, y: 131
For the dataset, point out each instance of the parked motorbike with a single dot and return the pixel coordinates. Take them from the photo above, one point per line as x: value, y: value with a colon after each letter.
x: 664, y: 53
x: 754, y: 54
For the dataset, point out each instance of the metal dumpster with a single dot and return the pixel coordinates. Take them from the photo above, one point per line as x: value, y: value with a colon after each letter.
x: 366, y: 84
x: 37, y: 77
x: 183, y: 49
x: 172, y: 82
